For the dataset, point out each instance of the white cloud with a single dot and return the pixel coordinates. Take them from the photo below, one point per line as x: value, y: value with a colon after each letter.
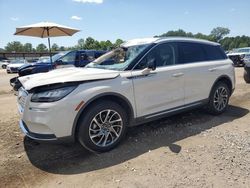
x: 14, y: 19
x: 89, y: 1
x: 76, y: 18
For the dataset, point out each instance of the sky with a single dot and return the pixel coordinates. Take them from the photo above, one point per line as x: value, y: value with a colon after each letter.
x: 125, y: 19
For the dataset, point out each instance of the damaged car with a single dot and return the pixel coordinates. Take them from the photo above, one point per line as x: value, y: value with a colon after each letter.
x: 240, y: 56
x: 141, y: 81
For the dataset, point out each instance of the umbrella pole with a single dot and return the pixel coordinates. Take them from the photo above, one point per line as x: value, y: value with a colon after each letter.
x: 49, y: 46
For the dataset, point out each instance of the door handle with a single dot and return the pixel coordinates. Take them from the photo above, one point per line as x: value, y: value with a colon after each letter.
x: 212, y: 69
x: 178, y: 74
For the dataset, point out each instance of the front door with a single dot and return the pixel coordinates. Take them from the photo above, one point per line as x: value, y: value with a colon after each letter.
x: 162, y: 89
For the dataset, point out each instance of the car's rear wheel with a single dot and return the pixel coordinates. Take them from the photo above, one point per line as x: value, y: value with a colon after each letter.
x: 219, y: 97
x: 4, y: 66
x: 102, y: 126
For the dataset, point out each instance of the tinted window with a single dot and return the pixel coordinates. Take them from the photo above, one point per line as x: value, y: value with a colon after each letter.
x: 163, y: 55
x: 191, y: 52
x: 98, y: 54
x: 90, y: 56
x: 214, y: 52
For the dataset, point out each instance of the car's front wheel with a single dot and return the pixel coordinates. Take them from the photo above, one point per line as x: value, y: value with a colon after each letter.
x: 102, y: 126
x: 219, y: 97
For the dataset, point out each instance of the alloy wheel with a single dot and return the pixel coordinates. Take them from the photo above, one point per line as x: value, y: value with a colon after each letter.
x: 220, y: 98
x: 105, y: 128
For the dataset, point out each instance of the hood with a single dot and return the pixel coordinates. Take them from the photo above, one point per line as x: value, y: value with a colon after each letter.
x: 34, y: 65
x: 72, y: 74
x: 16, y: 65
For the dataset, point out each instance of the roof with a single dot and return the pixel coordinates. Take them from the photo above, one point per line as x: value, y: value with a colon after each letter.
x: 157, y: 40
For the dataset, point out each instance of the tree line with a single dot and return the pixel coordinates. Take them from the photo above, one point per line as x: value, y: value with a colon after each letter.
x: 87, y: 44
x: 218, y: 34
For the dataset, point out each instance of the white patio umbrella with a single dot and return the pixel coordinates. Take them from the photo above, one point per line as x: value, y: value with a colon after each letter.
x: 46, y: 30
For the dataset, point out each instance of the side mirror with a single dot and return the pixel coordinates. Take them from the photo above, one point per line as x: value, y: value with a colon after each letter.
x: 150, y: 67
x: 152, y: 64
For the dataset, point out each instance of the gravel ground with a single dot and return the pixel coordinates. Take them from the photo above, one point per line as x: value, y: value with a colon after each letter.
x: 192, y: 149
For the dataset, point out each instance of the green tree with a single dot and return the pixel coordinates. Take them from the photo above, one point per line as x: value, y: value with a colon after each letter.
x: 103, y: 45
x: 27, y: 47
x: 109, y: 45
x: 41, y: 48
x: 118, y: 42
x: 62, y: 48
x: 180, y: 33
x: 14, y: 46
x: 80, y: 44
x: 91, y: 43
x: 243, y: 44
x: 219, y: 32
x: 54, y: 47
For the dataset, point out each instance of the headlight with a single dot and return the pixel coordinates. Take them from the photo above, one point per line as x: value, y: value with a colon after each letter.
x: 52, y: 95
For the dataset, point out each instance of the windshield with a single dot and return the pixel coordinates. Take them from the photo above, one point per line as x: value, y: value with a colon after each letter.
x: 54, y: 58
x: 117, y: 59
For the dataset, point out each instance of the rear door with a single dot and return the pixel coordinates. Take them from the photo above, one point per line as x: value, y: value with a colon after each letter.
x: 202, y: 64
x: 86, y: 57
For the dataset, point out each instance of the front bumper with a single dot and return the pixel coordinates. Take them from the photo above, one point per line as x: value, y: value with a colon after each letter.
x: 35, y: 136
x: 46, y: 121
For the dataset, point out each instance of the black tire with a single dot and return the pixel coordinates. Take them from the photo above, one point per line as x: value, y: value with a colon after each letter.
x: 86, y: 122
x: 247, y: 76
x: 4, y: 66
x: 218, y: 103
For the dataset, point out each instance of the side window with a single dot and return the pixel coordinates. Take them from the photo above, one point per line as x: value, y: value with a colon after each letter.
x: 163, y: 55
x: 190, y: 52
x: 214, y: 52
x: 90, y: 56
x: 98, y: 54
x: 83, y: 56
x: 68, y: 58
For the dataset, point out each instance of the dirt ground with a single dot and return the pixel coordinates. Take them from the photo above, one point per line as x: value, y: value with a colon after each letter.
x: 192, y: 149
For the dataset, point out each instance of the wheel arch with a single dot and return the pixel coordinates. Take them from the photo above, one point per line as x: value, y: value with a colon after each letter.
x: 120, y: 99
x: 227, y: 80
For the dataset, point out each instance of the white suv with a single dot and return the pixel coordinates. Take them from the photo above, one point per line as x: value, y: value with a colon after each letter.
x: 143, y: 80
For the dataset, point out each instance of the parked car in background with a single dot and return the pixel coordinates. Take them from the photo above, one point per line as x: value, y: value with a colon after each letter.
x: 4, y: 62
x: 247, y: 72
x: 78, y: 58
x: 144, y: 80
x: 240, y: 56
x: 43, y: 64
x: 15, y: 64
